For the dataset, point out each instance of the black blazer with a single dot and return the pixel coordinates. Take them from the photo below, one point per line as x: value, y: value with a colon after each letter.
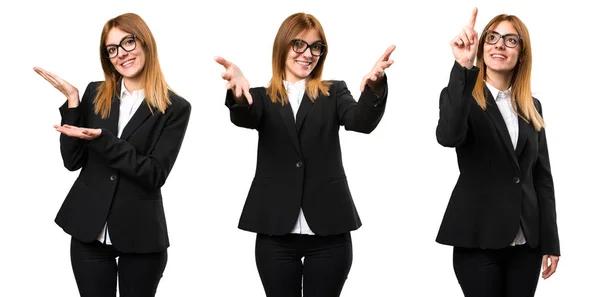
x: 499, y: 188
x: 299, y: 164
x: 120, y: 178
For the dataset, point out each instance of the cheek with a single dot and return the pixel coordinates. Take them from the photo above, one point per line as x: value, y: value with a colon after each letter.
x: 115, y: 62
x: 315, y: 61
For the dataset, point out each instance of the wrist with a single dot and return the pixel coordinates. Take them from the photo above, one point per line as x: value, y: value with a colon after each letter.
x: 72, y: 102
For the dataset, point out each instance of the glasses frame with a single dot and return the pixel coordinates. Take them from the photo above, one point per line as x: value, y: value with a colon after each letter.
x: 485, y: 34
x: 323, y: 45
x: 120, y: 45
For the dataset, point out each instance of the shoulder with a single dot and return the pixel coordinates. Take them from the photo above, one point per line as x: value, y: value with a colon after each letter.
x: 91, y: 91
x: 178, y: 102
x: 259, y: 93
x: 258, y: 90
x: 537, y: 104
x: 336, y: 83
x: 336, y: 87
x: 93, y: 86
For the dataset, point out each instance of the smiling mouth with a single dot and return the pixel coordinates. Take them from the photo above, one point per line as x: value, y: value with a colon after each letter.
x: 127, y: 63
x: 304, y: 63
x: 498, y: 56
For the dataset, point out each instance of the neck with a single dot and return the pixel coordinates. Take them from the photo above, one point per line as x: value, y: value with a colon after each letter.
x: 132, y: 84
x: 500, y: 80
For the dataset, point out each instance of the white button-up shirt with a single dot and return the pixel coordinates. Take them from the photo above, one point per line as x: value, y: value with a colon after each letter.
x: 128, y: 105
x: 295, y: 92
x: 511, y: 119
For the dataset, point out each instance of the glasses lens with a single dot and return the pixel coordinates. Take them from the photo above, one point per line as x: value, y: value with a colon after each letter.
x: 299, y: 46
x: 128, y: 43
x: 111, y: 51
x: 317, y: 49
x: 511, y: 40
x: 492, y: 37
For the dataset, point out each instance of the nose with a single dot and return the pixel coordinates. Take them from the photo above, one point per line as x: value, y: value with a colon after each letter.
x: 121, y: 52
x: 501, y: 43
x: 307, y: 54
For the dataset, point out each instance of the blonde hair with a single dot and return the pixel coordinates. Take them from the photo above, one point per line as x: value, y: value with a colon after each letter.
x: 289, y: 29
x: 155, y: 87
x: 521, y: 79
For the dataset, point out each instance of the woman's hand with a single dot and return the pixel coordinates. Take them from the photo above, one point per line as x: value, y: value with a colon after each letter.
x: 464, y: 45
x: 549, y: 264
x: 374, y: 77
x: 236, y: 82
x: 64, y: 87
x: 83, y: 133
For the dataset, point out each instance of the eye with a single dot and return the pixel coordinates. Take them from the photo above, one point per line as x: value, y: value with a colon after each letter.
x: 111, y: 49
x: 317, y: 46
x: 491, y: 37
x: 299, y: 44
x: 513, y: 40
x: 129, y: 41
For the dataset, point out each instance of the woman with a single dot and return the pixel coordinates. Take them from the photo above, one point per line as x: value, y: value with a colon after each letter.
x: 501, y: 218
x: 299, y: 203
x: 124, y: 135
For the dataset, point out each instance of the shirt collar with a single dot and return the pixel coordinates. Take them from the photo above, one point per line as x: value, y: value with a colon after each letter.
x: 124, y: 92
x: 496, y: 93
x: 299, y: 85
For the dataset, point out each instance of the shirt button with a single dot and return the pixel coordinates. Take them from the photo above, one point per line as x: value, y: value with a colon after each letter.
x: 113, y: 177
x: 516, y: 180
x: 299, y: 164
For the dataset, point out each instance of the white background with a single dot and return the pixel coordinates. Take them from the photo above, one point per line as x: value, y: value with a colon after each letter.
x: 400, y: 177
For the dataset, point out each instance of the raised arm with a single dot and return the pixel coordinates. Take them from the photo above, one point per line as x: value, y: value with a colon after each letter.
x: 455, y: 99
x: 244, y: 111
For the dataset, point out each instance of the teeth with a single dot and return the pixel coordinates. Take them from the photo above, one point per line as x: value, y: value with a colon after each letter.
x: 127, y: 63
x: 303, y: 63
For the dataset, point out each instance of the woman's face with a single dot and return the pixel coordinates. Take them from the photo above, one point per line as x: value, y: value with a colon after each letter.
x: 499, y: 57
x: 125, y: 53
x: 298, y: 64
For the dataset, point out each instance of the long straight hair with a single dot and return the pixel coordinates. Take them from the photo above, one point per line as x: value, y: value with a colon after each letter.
x: 521, y: 78
x: 289, y: 29
x: 155, y: 87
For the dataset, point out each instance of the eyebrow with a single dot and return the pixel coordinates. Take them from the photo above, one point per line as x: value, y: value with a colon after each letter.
x: 502, y: 33
x: 128, y: 35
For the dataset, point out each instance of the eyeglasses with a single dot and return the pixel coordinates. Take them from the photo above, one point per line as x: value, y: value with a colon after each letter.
x: 127, y: 44
x: 317, y: 49
x: 510, y: 40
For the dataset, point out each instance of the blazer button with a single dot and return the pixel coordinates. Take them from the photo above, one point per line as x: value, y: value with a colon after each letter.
x: 516, y: 180
x: 299, y: 164
x: 113, y: 177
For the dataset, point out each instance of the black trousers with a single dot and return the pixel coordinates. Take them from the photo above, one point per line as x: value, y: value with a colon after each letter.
x: 96, y: 269
x: 509, y: 272
x: 327, y: 262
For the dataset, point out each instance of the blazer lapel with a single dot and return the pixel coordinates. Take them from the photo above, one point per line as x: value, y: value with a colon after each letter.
x: 112, y: 122
x: 140, y: 115
x: 288, y: 120
x: 523, y: 128
x: 494, y: 113
x: 305, y: 107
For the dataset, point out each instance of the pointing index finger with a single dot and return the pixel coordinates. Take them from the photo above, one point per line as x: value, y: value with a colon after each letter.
x: 388, y: 53
x: 473, y: 18
x: 222, y: 61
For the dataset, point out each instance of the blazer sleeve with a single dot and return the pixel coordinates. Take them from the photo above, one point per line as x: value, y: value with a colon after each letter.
x: 150, y: 170
x: 544, y: 187
x: 362, y: 116
x: 455, y: 101
x: 243, y: 114
x: 74, y: 150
